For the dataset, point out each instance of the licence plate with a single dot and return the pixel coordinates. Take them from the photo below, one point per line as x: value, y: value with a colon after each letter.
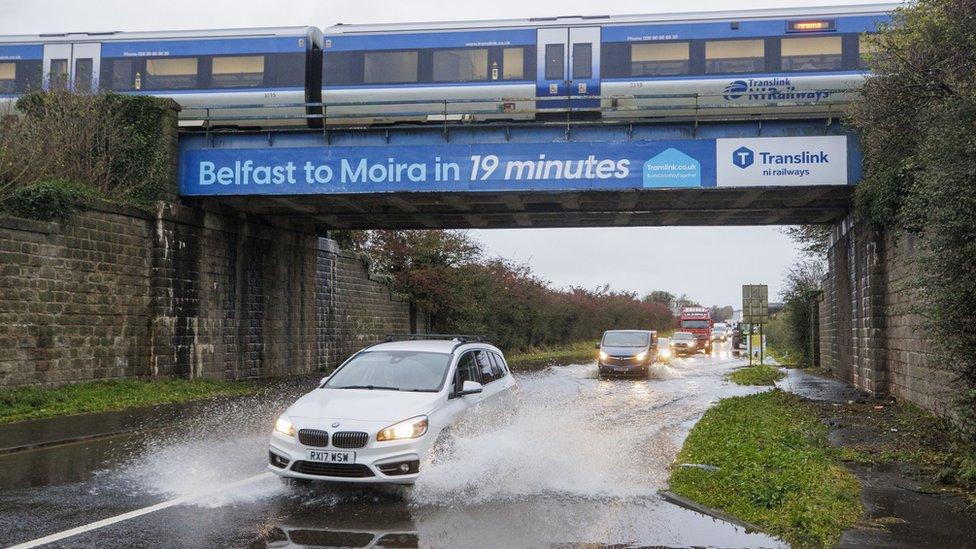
x: 324, y: 456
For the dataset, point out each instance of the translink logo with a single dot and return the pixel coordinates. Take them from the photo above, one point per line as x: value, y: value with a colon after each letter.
x: 743, y: 157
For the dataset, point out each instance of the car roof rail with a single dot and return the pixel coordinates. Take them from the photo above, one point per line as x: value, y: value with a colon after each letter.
x: 462, y: 338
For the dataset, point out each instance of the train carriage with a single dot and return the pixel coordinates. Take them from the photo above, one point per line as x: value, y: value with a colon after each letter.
x: 235, y: 77
x: 722, y: 64
x: 777, y: 63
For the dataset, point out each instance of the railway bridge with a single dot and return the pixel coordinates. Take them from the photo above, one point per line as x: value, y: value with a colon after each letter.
x: 584, y: 173
x: 731, y: 170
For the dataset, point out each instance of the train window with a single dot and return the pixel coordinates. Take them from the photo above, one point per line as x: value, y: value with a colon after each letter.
x: 170, y: 73
x: 513, y: 63
x: 385, y: 67
x: 734, y: 56
x: 555, y: 61
x: 58, y: 74
x: 342, y: 67
x: 8, y: 77
x: 583, y: 61
x: 285, y: 70
x: 811, y: 53
x: 83, y: 75
x: 123, y: 74
x: 659, y: 59
x: 460, y: 65
x: 237, y: 72
x: 866, y: 47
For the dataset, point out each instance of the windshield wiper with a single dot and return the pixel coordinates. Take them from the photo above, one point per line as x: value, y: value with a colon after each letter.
x: 370, y: 387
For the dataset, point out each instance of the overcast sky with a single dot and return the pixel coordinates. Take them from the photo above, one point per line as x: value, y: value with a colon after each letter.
x: 708, y: 264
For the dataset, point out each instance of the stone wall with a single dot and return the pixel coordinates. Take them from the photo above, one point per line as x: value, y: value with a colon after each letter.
x: 867, y: 333
x: 189, y: 291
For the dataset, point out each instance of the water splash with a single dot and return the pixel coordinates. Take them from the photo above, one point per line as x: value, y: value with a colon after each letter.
x: 205, y: 452
x: 565, y: 435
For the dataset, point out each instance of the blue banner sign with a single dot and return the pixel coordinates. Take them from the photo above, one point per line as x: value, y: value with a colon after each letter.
x: 461, y: 167
x: 570, y: 166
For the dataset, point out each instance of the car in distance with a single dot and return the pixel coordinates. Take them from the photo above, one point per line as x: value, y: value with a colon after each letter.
x: 684, y: 343
x: 665, y: 350
x: 720, y: 332
x: 376, y: 417
x: 626, y: 352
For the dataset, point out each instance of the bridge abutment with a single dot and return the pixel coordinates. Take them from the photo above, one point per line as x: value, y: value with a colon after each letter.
x: 185, y: 292
x: 866, y: 331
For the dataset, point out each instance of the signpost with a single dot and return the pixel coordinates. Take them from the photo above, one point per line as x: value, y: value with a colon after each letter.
x: 755, y: 310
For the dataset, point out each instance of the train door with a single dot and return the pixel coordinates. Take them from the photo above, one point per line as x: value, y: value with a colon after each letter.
x: 72, y: 66
x: 568, y: 65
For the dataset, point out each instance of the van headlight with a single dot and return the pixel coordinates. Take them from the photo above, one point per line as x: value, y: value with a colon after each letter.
x: 603, y: 355
x: 284, y: 426
x: 408, y: 428
x: 641, y: 356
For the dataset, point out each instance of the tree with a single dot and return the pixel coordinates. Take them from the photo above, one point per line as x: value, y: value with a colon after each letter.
x: 446, y: 274
x: 800, y: 286
x: 721, y: 314
x: 916, y: 118
x: 660, y: 296
x: 812, y: 239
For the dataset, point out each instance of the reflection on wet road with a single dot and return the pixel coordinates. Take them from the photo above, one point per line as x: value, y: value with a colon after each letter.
x: 575, y: 460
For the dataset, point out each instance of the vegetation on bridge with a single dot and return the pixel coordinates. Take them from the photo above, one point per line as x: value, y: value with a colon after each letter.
x: 917, y: 119
x: 447, y: 275
x: 61, y: 150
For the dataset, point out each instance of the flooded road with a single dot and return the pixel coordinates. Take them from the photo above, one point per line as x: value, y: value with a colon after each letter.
x: 574, y: 461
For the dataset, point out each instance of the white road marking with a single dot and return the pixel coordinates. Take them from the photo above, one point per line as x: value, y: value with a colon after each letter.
x: 137, y: 513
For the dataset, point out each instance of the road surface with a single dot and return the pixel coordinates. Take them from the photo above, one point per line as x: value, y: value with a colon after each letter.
x: 577, y: 460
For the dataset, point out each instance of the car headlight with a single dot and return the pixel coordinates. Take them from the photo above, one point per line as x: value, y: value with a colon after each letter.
x: 641, y: 356
x: 603, y: 355
x: 284, y: 426
x: 408, y: 428
x: 664, y: 353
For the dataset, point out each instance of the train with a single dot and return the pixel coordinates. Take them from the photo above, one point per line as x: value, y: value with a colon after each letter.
x: 781, y: 62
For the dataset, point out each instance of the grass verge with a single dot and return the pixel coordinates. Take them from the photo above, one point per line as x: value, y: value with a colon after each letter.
x: 563, y: 354
x: 23, y: 403
x: 776, y: 469
x: 757, y: 374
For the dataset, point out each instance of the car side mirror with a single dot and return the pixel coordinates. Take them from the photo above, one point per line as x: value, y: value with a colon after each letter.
x: 471, y: 388
x: 597, y: 346
x: 323, y: 380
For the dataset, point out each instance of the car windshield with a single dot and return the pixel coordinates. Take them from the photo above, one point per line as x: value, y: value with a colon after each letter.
x: 694, y: 324
x: 625, y: 339
x: 392, y: 371
x: 679, y: 336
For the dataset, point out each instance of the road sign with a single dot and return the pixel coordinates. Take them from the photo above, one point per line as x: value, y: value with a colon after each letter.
x: 755, y: 303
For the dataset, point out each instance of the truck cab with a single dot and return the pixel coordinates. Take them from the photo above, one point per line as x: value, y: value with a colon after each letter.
x: 698, y: 321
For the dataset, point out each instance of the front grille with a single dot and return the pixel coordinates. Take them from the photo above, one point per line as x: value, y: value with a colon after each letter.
x: 313, y: 437
x: 349, y: 439
x: 345, y: 470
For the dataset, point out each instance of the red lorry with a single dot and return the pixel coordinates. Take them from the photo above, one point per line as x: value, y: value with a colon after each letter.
x: 698, y: 321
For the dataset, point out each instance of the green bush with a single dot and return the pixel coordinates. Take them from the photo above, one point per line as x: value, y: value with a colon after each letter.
x: 48, y: 200
x: 114, y: 145
x: 916, y: 118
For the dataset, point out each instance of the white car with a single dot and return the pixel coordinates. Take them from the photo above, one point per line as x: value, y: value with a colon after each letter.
x: 375, y: 418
